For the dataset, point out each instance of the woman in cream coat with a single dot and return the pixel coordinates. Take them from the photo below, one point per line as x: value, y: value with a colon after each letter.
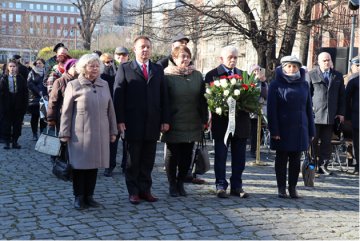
x: 87, y: 124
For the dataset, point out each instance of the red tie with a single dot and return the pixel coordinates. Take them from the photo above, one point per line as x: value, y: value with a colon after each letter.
x: 145, y: 71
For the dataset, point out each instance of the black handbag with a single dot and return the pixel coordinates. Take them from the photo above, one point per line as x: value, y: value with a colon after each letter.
x: 308, y: 170
x: 201, y: 160
x: 62, y: 168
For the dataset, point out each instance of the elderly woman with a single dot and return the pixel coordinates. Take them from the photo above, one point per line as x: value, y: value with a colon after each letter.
x: 290, y: 120
x: 188, y: 119
x: 37, y: 89
x: 88, y: 123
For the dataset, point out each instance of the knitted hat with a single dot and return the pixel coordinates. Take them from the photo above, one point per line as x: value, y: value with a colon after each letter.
x: 69, y: 63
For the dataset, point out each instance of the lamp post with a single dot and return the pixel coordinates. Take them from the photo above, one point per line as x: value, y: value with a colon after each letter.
x: 74, y: 30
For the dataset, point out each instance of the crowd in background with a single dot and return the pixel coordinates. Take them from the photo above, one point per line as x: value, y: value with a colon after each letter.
x: 100, y: 98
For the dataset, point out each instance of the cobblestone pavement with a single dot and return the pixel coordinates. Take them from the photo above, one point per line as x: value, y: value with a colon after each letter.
x: 36, y: 205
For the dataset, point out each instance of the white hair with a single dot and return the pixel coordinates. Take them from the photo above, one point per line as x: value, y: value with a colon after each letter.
x: 85, y: 60
x: 228, y: 49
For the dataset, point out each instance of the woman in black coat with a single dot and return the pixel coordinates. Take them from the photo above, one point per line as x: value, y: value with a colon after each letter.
x: 290, y: 121
x: 37, y: 89
x: 13, y: 101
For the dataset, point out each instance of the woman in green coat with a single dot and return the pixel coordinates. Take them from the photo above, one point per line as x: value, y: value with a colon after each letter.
x: 188, y: 117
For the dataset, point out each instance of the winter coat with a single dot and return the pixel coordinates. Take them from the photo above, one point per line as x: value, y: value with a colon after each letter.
x: 352, y: 100
x: 88, y: 119
x: 328, y: 101
x: 219, y: 123
x: 36, y: 87
x: 289, y: 113
x: 188, y: 109
x: 142, y: 105
x: 17, y: 102
x: 56, y: 98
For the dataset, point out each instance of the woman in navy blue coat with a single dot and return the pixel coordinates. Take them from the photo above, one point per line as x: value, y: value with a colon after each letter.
x: 290, y: 120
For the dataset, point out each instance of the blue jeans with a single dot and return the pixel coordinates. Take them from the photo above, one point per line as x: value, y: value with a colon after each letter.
x: 238, y: 149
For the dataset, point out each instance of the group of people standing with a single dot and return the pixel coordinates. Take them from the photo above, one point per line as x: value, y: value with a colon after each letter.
x: 93, y: 102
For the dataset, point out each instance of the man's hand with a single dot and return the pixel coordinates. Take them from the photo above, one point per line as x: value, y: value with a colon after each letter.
x: 164, y: 127
x: 341, y: 118
x: 112, y: 138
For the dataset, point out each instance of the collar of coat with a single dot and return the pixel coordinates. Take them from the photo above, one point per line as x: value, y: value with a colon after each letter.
x: 137, y: 69
x: 85, y: 81
x: 221, y: 71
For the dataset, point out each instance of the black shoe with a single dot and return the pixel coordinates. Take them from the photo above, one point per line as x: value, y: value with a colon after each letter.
x: 35, y: 137
x: 293, y: 193
x: 89, y: 200
x: 173, y: 191
x: 15, y: 145
x: 79, y: 203
x: 282, y: 193
x: 239, y: 192
x: 221, y: 193
x: 7, y: 146
x: 181, y: 189
x: 108, y: 172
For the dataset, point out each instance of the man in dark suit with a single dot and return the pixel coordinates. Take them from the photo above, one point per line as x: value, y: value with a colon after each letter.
x: 237, y: 140
x: 328, y: 98
x: 142, y: 111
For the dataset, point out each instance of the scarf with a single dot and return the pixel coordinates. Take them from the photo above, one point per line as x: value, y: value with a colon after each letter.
x: 291, y: 78
x: 110, y: 70
x: 175, y: 70
x: 39, y: 71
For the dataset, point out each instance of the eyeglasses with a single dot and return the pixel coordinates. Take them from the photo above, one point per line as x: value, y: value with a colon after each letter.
x: 37, y: 63
x: 109, y: 62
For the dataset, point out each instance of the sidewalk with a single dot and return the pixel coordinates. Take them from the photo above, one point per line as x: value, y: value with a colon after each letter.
x: 36, y: 205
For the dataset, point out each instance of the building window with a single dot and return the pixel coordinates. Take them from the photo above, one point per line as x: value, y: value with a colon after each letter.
x: 31, y: 30
x: 52, y: 8
x: 72, y: 20
x: 31, y: 18
x: 72, y: 9
x: 11, y: 5
x: 31, y: 6
x: 11, y: 17
x: 17, y: 5
x: 52, y: 19
x: 18, y: 18
x: 3, y: 4
x: 45, y: 7
x: 58, y: 8
x: 11, y: 29
x: 78, y: 20
x: 65, y: 33
x: 3, y: 17
x: 38, y: 18
x: 3, y: 29
x: 44, y: 31
x: 18, y: 30
x: 58, y: 32
x: 66, y: 8
x: 52, y: 32
x: 65, y: 20
x: 45, y: 19
x: 58, y: 20
x: 38, y: 7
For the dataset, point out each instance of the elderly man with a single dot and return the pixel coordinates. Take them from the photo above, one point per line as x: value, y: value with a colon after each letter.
x: 228, y: 59
x: 121, y: 55
x: 142, y: 111
x: 328, y: 97
x: 178, y: 40
x: 352, y: 107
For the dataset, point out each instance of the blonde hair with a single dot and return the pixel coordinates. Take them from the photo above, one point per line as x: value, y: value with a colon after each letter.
x: 85, y: 60
x: 106, y: 57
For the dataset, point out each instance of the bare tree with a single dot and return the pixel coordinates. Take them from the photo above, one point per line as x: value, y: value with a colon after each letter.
x: 90, y: 13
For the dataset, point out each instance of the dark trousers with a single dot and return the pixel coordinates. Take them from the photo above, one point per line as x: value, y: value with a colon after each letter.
x: 139, y: 167
x: 84, y: 181
x: 113, y: 152
x: 281, y: 160
x: 323, y: 150
x: 35, y: 117
x: 124, y: 153
x: 238, y: 149
x: 178, y: 161
x: 356, y: 146
x: 12, y: 124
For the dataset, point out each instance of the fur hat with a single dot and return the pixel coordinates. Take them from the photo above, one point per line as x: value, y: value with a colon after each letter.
x: 290, y: 59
